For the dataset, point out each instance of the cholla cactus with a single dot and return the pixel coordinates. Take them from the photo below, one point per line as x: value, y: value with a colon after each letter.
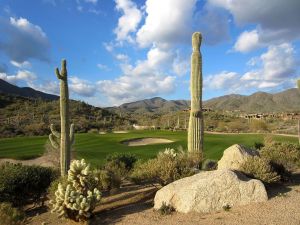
x: 195, y: 130
x: 170, y: 152
x: 75, y: 200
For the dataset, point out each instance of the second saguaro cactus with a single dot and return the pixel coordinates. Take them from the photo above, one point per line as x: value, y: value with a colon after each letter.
x: 195, y: 130
x: 66, y: 134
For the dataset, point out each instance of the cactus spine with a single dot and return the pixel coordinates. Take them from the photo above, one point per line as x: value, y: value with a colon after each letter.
x: 66, y: 135
x: 195, y: 130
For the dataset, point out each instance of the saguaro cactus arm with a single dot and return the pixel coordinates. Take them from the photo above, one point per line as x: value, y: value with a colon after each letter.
x: 63, y: 74
x: 54, y: 132
x: 53, y: 141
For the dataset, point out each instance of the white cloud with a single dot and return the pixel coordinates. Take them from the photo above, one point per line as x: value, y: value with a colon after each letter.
x: 21, y: 75
x: 167, y: 21
x: 103, y: 67
x: 181, y: 64
x: 108, y: 46
x: 129, y: 21
x: 127, y: 89
x: 81, y: 87
x: 23, y: 40
x: 277, y: 21
x: 146, y: 79
x: 275, y: 68
x: 278, y: 63
x: 222, y: 80
x: 122, y: 57
x: 22, y: 65
x: 92, y: 1
x: 247, y: 41
x: 51, y: 87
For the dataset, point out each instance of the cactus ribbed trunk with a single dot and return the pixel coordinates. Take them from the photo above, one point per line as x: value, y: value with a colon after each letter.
x: 65, y: 138
x: 298, y: 84
x: 65, y: 150
x: 195, y: 130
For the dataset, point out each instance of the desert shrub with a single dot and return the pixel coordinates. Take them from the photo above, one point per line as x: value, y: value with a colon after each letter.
x: 166, y: 209
x: 20, y: 184
x: 126, y: 158
x: 167, y: 167
x: 281, y: 154
x: 259, y: 168
x: 93, y: 131
x: 258, y: 145
x: 77, y: 198
x: 117, y: 168
x: 10, y: 215
x: 106, y: 180
x: 209, y: 164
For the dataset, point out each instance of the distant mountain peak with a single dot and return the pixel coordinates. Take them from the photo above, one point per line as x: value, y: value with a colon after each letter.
x: 28, y: 92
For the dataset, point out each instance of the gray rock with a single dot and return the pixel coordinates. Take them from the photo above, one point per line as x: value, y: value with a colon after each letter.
x: 234, y: 156
x: 210, y: 191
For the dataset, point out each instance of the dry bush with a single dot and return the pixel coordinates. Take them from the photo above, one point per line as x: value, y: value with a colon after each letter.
x: 282, y: 154
x: 167, y: 167
x: 10, y: 215
x: 259, y: 168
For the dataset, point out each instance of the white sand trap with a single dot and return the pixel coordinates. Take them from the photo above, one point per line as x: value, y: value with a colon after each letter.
x: 146, y: 141
x: 102, y: 132
x: 121, y: 132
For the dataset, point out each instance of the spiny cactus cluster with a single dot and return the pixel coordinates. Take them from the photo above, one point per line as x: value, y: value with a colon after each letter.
x: 169, y: 151
x: 65, y: 138
x: 77, y: 199
x: 195, y: 131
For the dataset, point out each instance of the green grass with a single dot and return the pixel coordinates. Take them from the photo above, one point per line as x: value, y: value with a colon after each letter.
x: 95, y: 147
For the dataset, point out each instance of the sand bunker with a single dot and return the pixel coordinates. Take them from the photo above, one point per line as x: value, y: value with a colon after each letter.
x: 121, y: 132
x: 146, y: 141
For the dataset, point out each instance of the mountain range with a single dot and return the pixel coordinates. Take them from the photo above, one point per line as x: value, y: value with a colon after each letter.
x: 259, y: 102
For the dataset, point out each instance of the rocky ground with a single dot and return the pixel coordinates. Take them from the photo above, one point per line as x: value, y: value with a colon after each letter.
x: 282, y: 208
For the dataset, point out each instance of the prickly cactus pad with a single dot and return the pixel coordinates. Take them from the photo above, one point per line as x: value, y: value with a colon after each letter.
x: 195, y: 131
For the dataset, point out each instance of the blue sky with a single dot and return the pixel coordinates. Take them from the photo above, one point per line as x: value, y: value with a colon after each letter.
x: 124, y: 50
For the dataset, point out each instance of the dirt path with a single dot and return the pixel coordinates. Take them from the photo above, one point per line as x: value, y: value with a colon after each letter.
x: 282, y: 209
x: 40, y: 161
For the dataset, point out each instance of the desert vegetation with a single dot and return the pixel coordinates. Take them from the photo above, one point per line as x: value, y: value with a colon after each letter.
x: 183, y: 174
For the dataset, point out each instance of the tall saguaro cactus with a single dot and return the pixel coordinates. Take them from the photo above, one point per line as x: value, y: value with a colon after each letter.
x: 66, y: 134
x: 195, y: 130
x: 298, y: 84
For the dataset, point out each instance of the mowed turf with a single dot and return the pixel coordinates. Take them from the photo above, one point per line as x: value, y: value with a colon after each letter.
x: 95, y: 147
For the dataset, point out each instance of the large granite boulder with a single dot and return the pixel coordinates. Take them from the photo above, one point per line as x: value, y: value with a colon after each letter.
x: 210, y: 191
x: 234, y: 156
